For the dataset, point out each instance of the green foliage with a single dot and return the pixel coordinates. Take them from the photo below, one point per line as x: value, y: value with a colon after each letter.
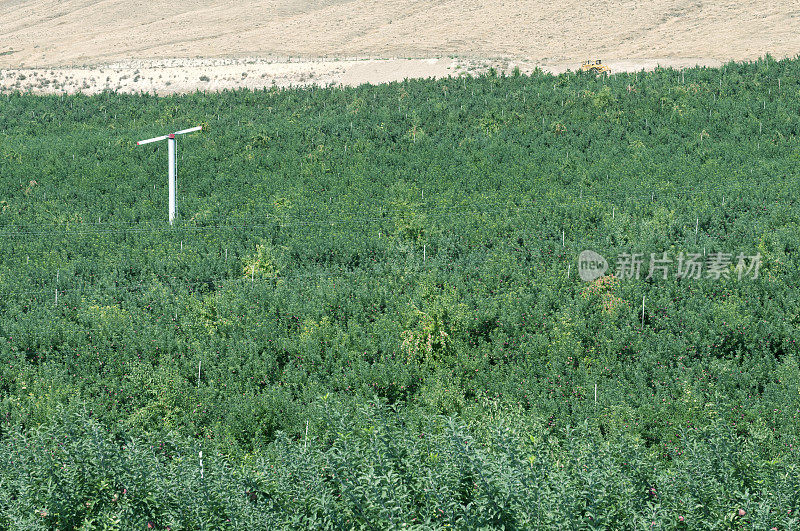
x: 385, y: 268
x: 376, y: 467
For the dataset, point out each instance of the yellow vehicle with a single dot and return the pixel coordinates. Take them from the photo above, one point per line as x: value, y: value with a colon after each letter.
x: 595, y: 67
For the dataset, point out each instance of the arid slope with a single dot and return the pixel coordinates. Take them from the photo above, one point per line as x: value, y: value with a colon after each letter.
x: 50, y: 33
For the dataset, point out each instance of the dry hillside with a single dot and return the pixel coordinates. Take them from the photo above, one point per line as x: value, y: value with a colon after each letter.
x: 50, y: 33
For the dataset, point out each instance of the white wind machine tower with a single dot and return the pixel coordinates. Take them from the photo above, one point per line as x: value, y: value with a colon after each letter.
x: 170, y: 138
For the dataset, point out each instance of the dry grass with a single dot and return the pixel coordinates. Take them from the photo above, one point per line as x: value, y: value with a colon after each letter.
x: 285, y: 42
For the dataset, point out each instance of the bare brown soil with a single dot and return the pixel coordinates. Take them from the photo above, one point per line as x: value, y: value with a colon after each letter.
x: 87, y: 45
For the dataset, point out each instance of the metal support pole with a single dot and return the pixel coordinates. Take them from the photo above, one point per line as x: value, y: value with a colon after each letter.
x: 171, y: 148
x: 171, y: 154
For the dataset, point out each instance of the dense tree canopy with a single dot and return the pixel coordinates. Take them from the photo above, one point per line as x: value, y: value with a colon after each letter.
x: 368, y: 313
